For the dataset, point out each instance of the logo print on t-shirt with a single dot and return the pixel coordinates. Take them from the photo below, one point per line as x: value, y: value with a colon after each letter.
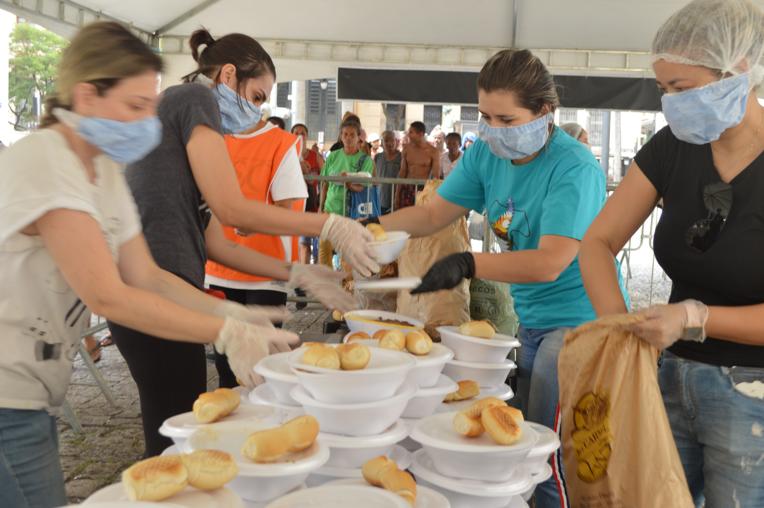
x: 502, y: 227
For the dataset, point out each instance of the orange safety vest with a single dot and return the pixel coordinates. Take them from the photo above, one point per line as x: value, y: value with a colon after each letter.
x: 256, y: 160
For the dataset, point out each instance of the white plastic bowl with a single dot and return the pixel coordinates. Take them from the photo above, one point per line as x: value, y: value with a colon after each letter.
x: 188, y: 498
x: 258, y: 482
x: 356, y: 419
x: 485, y: 374
x: 340, y: 496
x: 353, y: 452
x: 386, y: 372
x: 387, y: 251
x: 478, y: 458
x: 539, y: 477
x: 425, y: 496
x: 472, y: 349
x: 180, y: 427
x: 279, y: 376
x: 365, y: 321
x: 548, y: 443
x: 263, y: 395
x: 426, y: 400
x: 502, y: 392
x: 471, y: 493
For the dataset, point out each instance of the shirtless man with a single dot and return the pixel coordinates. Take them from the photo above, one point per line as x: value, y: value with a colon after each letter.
x: 419, y: 160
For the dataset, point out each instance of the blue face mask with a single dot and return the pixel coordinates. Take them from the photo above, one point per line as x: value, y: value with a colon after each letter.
x: 512, y: 143
x: 700, y: 115
x: 123, y: 142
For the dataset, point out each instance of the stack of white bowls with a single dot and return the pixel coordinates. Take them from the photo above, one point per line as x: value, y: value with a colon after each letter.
x: 484, y: 361
x: 358, y: 411
x: 279, y: 382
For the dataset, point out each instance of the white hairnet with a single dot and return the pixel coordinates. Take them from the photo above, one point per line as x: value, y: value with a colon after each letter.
x: 727, y: 35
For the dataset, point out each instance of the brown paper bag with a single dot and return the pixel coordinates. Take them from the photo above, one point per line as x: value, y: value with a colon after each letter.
x: 618, y: 450
x: 447, y: 307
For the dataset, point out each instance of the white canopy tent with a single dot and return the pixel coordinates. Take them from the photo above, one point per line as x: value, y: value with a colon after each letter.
x: 310, y: 39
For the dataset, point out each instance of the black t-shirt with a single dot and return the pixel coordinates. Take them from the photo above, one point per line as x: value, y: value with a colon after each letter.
x: 173, y: 211
x: 731, y: 272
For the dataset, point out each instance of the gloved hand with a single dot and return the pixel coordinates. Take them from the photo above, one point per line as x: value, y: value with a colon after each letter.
x: 665, y: 324
x: 324, y: 284
x: 245, y: 344
x: 447, y: 273
x: 256, y: 314
x: 351, y: 240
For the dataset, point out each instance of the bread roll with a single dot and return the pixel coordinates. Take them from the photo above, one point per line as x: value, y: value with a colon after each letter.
x: 301, y: 432
x: 516, y: 414
x: 337, y: 316
x: 399, y: 482
x: 155, y: 479
x: 466, y: 425
x: 358, y: 336
x: 212, y: 406
x: 476, y: 409
x: 418, y: 343
x: 267, y: 445
x: 393, y: 339
x: 209, y: 469
x: 379, y: 334
x: 353, y: 356
x: 467, y: 390
x: 378, y: 232
x: 479, y: 329
x: 321, y: 356
x: 500, y: 424
x: 373, y: 469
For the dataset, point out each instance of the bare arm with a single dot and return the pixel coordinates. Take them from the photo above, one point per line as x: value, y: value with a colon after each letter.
x: 75, y: 242
x: 222, y: 250
x: 402, y: 173
x: 435, y: 171
x: 423, y: 220
x: 216, y: 177
x: 545, y: 264
x: 625, y: 211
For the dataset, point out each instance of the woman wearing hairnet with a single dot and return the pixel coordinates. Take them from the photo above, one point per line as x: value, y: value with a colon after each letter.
x: 708, y: 168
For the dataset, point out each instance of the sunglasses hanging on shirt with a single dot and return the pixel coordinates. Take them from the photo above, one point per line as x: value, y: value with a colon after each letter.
x: 717, y: 198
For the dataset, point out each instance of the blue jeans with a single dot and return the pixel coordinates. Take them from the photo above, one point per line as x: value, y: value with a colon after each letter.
x: 30, y: 469
x: 538, y: 397
x: 718, y: 430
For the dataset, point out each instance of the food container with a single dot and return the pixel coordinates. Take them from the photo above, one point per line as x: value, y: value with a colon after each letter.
x: 353, y: 452
x: 386, y: 372
x: 540, y: 476
x: 485, y: 374
x: 548, y: 443
x: 473, y: 349
x: 426, y: 400
x: 263, y: 395
x: 387, y: 251
x: 425, y: 496
x: 471, y: 493
x: 180, y: 427
x: 188, y: 498
x: 477, y: 458
x: 279, y: 376
x: 369, y: 321
x: 356, y: 419
x: 258, y: 482
x: 502, y: 392
x: 341, y: 496
x: 329, y: 473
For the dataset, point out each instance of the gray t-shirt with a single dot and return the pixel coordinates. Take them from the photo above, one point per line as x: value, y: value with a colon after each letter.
x: 172, y: 209
x: 387, y: 169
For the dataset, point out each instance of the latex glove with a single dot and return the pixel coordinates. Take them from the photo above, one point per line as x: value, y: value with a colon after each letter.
x: 245, y: 344
x: 255, y: 314
x: 665, y: 324
x: 351, y: 240
x: 324, y: 284
x: 447, y: 273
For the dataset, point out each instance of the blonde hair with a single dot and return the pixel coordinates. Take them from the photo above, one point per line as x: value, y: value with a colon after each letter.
x: 102, y: 53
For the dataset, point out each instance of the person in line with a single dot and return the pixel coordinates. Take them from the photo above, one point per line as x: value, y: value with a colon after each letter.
x: 541, y: 190
x: 468, y: 139
x: 312, y: 162
x: 187, y: 179
x: 452, y: 154
x: 349, y: 160
x: 708, y: 168
x: 576, y: 131
x: 388, y: 165
x: 419, y: 160
x: 71, y: 244
x: 339, y: 145
x: 277, y: 121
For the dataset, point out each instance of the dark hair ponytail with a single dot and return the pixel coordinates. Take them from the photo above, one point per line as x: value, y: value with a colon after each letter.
x: 521, y: 72
x: 200, y: 38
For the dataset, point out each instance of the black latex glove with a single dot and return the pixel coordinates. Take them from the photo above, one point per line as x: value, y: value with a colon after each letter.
x: 447, y: 273
x: 369, y: 220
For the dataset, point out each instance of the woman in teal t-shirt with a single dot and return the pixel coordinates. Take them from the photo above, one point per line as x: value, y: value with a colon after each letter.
x: 541, y: 190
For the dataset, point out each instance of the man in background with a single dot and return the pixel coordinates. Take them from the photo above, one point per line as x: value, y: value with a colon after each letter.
x: 388, y: 164
x: 419, y: 160
x: 452, y: 154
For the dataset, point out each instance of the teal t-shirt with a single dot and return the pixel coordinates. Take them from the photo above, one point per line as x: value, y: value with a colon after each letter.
x: 339, y: 162
x: 559, y: 193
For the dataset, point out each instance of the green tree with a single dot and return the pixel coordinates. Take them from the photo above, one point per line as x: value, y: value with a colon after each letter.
x: 35, y: 53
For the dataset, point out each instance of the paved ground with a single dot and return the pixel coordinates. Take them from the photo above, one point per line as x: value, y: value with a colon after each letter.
x: 113, y: 440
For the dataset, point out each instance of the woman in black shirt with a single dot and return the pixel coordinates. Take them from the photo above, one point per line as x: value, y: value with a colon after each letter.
x: 708, y: 168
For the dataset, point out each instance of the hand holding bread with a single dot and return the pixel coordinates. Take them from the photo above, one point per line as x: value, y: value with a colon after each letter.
x: 212, y: 406
x: 383, y: 472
